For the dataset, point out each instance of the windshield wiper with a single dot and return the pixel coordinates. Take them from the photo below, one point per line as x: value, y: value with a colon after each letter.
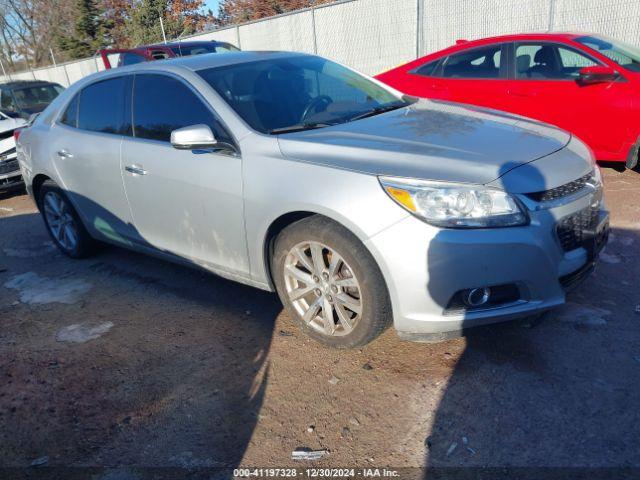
x: 379, y: 110
x: 299, y: 127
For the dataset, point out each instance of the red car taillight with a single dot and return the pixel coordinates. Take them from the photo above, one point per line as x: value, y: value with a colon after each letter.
x: 16, y: 134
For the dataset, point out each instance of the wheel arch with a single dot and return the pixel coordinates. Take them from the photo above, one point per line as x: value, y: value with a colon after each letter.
x: 633, y: 158
x: 286, y: 219
x: 36, y: 184
x: 274, y: 229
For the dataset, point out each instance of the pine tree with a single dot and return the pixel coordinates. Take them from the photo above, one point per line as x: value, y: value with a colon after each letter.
x: 179, y: 17
x: 89, y: 31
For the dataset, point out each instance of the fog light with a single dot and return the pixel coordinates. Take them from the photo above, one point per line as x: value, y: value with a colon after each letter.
x: 483, y: 298
x: 476, y: 297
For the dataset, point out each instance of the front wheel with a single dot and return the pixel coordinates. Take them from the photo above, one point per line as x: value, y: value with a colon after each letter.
x: 63, y: 222
x: 330, y: 283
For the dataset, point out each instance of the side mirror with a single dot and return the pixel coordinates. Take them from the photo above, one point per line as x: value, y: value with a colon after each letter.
x: 597, y: 74
x: 197, y: 137
x: 32, y: 118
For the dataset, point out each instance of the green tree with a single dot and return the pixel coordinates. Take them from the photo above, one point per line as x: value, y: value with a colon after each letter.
x: 143, y: 24
x: 89, y: 31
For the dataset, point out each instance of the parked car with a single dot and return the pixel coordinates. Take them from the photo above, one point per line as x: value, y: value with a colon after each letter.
x: 10, y: 175
x: 162, y: 51
x: 290, y: 172
x: 26, y: 97
x: 586, y: 84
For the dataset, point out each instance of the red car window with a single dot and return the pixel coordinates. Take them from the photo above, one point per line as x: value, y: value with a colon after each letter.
x: 546, y: 61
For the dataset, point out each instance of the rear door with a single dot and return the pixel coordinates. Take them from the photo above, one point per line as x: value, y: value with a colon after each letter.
x: 544, y: 85
x: 85, y: 150
x: 187, y: 203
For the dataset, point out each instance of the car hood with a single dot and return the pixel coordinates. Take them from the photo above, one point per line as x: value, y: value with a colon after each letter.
x: 431, y: 140
x: 7, y: 124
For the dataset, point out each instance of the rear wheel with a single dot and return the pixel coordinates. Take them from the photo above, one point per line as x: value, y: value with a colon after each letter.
x: 330, y: 283
x: 63, y: 223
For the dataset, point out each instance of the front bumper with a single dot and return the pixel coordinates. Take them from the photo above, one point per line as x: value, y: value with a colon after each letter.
x: 10, y: 174
x: 425, y: 267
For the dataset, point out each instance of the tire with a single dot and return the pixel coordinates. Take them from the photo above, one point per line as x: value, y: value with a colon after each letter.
x: 84, y: 245
x: 352, y: 290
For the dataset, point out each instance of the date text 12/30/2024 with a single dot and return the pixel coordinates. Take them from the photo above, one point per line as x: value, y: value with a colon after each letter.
x: 314, y: 473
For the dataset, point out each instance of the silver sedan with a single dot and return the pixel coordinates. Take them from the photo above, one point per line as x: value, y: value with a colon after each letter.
x: 359, y: 206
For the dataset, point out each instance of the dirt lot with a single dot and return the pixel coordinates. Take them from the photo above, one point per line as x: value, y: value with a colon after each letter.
x: 124, y: 360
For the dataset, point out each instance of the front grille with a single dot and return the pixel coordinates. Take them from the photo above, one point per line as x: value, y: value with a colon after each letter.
x: 8, y: 153
x: 562, y: 190
x: 571, y: 229
x: 9, y: 167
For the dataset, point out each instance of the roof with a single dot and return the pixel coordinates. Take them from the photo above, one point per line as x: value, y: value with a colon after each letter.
x: 210, y: 60
x: 513, y: 37
x: 186, y: 43
x: 518, y: 36
x: 25, y: 83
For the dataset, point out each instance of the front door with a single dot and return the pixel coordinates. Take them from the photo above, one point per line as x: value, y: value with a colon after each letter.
x: 186, y: 203
x: 545, y: 86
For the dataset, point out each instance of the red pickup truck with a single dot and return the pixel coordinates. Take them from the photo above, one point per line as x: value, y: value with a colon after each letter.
x: 146, y: 53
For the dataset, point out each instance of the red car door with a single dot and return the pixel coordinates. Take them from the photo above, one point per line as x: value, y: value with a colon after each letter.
x: 477, y: 76
x: 545, y: 85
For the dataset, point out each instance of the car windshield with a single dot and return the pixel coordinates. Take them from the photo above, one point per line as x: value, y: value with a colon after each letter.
x: 296, y: 93
x: 622, y: 53
x: 187, y: 50
x: 36, y: 99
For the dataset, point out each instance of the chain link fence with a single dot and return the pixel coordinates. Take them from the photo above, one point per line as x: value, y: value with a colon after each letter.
x: 375, y: 35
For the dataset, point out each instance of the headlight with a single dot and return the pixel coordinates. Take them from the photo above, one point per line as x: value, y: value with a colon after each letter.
x: 455, y: 205
x: 596, y: 177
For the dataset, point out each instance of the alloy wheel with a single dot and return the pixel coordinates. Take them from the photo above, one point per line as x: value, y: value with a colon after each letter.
x: 60, y: 221
x: 323, y: 288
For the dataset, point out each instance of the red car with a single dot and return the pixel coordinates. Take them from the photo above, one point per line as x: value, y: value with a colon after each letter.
x: 146, y: 53
x: 586, y: 84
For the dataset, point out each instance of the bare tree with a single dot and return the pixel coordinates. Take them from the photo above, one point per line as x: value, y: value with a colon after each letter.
x: 28, y: 29
x: 238, y: 11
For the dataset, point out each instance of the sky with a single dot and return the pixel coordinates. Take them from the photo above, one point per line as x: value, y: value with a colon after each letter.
x: 212, y: 4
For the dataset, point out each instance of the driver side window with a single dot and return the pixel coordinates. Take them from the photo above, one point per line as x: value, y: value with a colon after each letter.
x: 544, y: 61
x: 156, y: 113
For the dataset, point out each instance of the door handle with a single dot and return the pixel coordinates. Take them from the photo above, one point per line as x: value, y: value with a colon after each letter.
x: 135, y: 169
x: 64, y: 154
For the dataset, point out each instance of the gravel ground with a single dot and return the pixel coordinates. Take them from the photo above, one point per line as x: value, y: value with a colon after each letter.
x: 125, y: 360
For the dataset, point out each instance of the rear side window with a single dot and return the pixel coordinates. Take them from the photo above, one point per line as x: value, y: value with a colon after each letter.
x: 162, y: 104
x: 70, y: 115
x: 476, y: 63
x: 427, y: 69
x: 102, y: 106
x: 159, y: 54
x: 131, y: 59
x: 225, y: 47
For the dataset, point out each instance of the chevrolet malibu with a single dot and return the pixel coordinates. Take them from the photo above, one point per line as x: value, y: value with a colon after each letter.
x: 359, y: 206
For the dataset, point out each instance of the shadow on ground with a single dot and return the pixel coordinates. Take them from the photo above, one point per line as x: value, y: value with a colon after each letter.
x: 557, y: 397
x: 179, y: 383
